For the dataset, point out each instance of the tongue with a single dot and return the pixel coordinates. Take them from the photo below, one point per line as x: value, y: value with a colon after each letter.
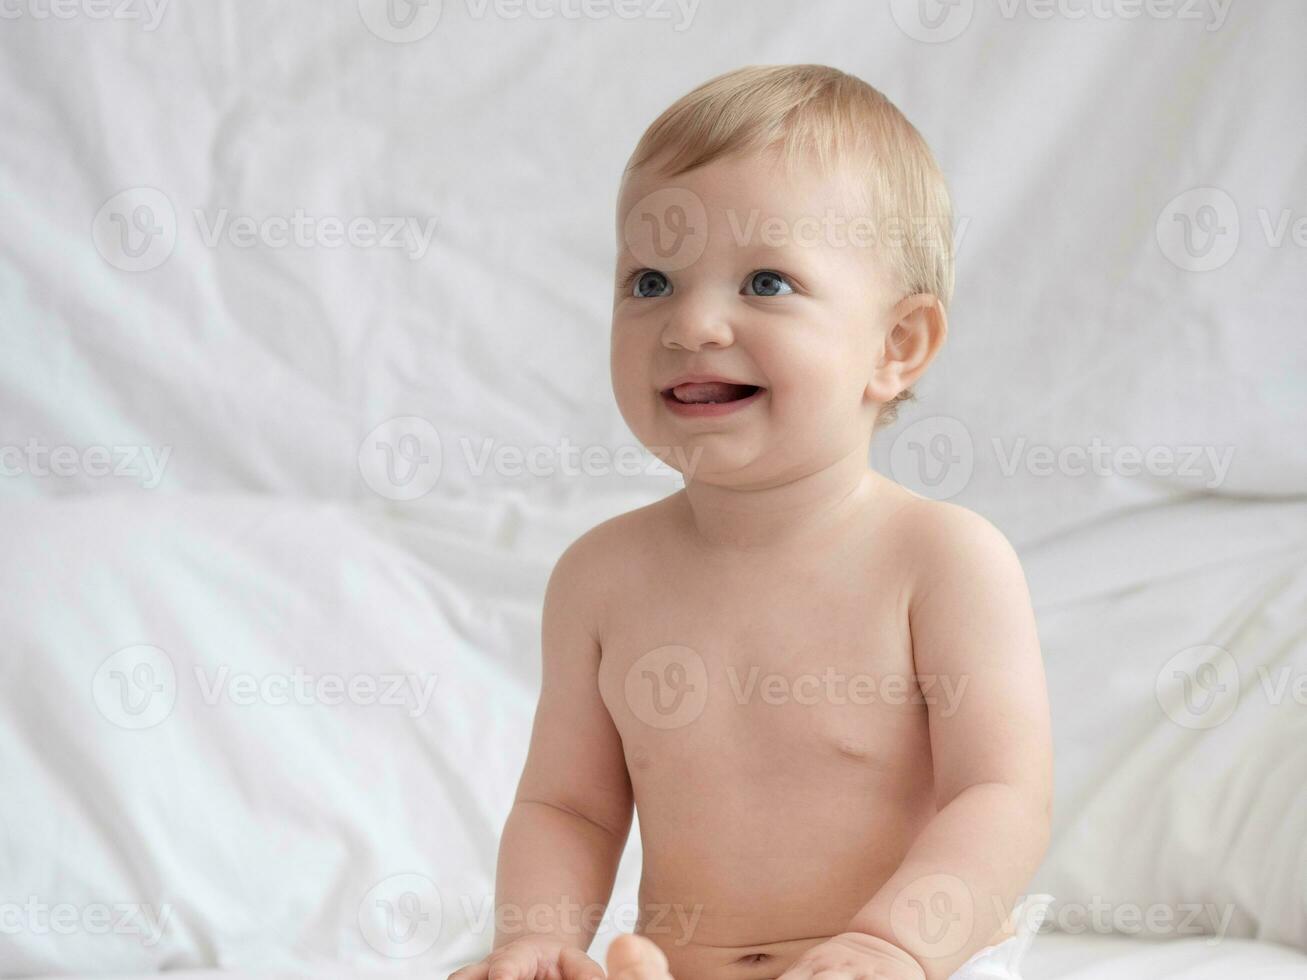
x: 710, y: 391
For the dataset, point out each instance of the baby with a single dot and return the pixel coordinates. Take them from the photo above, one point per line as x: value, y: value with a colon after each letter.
x: 822, y: 693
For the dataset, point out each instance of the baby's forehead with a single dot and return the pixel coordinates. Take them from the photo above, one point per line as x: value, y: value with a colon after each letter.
x: 752, y: 201
x: 759, y: 181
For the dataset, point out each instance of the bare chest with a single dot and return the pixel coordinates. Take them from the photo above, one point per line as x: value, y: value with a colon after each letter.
x: 765, y: 671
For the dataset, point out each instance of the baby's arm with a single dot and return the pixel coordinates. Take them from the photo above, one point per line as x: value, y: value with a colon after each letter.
x: 569, y: 822
x: 971, y: 621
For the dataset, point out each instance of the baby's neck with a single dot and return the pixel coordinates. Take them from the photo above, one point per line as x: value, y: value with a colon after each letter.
x: 791, y: 514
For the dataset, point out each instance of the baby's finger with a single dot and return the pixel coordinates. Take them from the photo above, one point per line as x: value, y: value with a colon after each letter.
x: 474, y: 971
x: 513, y: 963
x: 575, y: 965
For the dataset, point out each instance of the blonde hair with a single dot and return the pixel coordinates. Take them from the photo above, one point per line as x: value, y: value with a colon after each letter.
x: 814, y: 110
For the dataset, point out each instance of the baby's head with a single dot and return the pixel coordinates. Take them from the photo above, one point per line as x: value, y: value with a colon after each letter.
x: 785, y: 249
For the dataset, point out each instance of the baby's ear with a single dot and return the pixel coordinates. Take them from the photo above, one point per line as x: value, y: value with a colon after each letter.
x: 916, y: 332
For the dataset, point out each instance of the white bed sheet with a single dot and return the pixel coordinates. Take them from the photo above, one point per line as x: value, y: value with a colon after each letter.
x: 1052, y: 957
x: 1114, y: 957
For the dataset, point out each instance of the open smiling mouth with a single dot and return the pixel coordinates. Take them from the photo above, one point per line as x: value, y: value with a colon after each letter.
x: 709, y: 397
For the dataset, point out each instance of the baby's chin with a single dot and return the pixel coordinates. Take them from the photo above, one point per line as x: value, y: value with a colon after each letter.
x: 727, y: 460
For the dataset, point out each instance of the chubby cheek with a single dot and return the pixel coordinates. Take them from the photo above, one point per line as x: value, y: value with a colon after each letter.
x: 816, y: 394
x: 632, y: 386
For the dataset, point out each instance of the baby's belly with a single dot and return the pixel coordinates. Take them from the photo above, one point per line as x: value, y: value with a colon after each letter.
x: 749, y: 920
x: 746, y: 869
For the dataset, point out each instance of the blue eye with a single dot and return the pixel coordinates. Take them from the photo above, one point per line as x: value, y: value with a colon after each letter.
x: 649, y: 284
x: 767, y: 283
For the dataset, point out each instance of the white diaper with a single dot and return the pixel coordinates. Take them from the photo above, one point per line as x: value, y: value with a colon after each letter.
x: 1003, y: 962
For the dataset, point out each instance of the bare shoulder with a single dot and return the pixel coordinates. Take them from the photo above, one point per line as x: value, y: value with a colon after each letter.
x: 944, y: 540
x: 602, y: 559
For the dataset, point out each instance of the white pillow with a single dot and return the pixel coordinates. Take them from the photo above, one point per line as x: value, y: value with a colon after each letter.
x: 1175, y: 817
x: 269, y: 833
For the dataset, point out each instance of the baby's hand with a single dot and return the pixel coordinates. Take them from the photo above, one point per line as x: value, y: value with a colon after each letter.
x: 855, y: 956
x: 530, y: 957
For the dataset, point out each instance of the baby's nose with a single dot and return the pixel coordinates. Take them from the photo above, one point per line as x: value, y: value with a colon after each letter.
x: 697, y: 325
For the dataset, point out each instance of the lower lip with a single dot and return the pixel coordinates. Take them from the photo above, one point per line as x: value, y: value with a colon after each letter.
x: 709, y: 409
